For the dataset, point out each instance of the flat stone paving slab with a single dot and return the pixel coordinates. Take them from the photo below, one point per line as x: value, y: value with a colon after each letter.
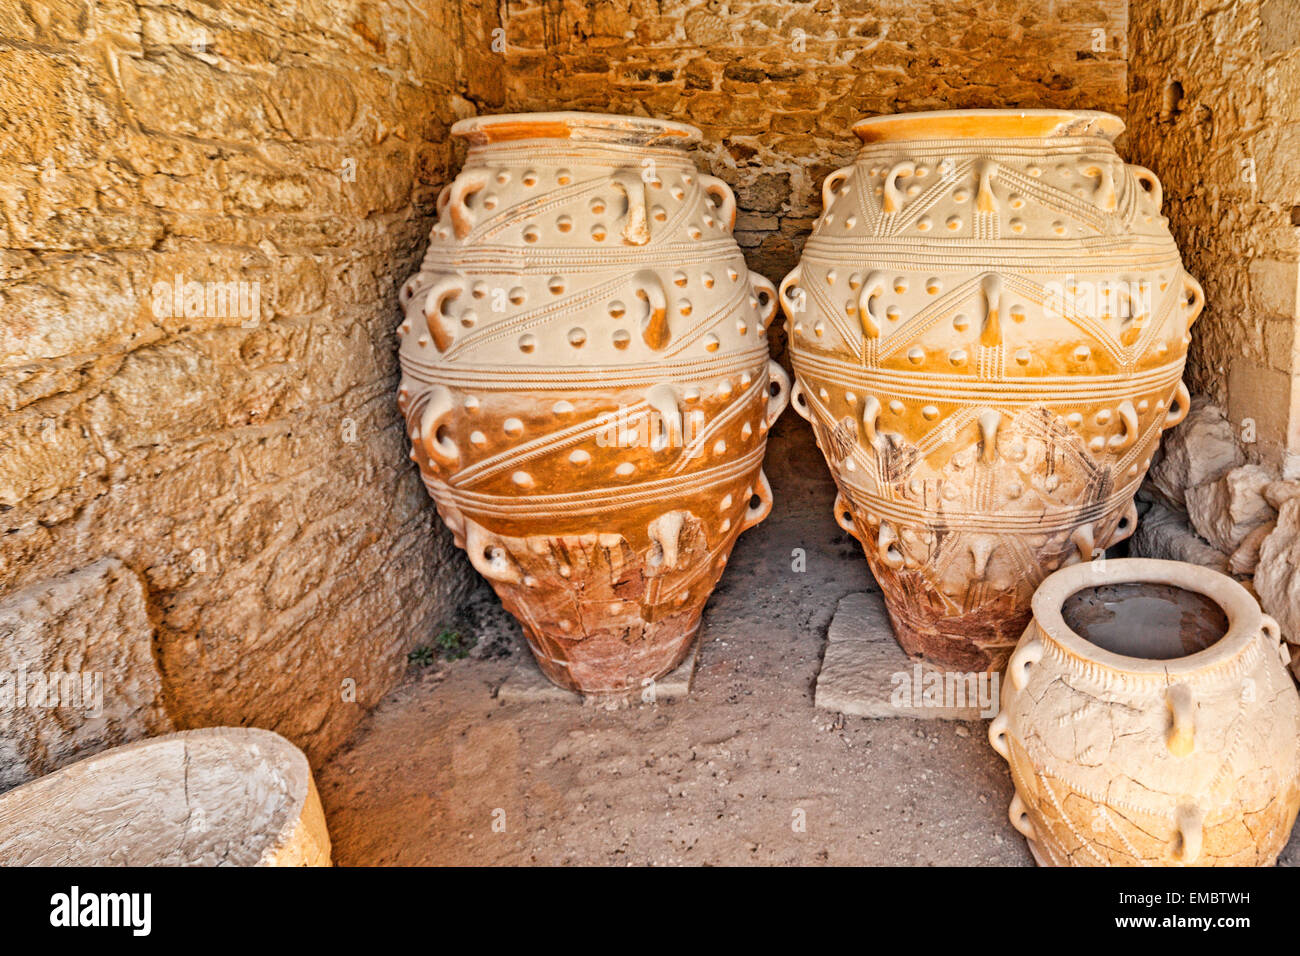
x: 528, y: 685
x: 865, y: 673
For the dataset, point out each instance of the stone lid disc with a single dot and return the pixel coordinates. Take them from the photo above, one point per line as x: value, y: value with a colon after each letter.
x: 221, y: 796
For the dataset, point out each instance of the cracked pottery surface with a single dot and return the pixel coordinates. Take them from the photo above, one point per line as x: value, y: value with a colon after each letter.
x: 222, y: 796
x: 988, y: 329
x: 1124, y: 760
x: 587, y: 385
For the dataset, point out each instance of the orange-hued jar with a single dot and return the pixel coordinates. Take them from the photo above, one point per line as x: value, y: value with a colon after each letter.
x: 586, y: 378
x: 988, y: 328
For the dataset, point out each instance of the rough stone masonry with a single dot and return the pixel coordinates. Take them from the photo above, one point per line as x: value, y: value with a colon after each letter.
x: 204, y: 212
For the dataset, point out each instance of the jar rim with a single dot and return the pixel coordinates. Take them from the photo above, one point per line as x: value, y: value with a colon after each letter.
x: 618, y: 128
x: 1245, y: 619
x: 988, y: 124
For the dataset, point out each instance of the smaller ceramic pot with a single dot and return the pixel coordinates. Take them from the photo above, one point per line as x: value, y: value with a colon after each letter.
x: 1149, y: 719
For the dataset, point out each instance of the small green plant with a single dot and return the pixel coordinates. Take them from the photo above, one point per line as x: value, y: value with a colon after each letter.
x: 448, y: 644
x: 453, y: 646
x: 422, y: 656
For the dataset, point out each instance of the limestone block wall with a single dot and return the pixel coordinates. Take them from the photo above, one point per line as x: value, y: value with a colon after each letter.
x: 1214, y: 108
x: 205, y: 210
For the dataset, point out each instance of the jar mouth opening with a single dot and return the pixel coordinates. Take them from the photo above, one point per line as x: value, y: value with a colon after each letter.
x: 1129, y: 643
x: 1145, y: 621
x: 576, y: 126
x: 988, y: 124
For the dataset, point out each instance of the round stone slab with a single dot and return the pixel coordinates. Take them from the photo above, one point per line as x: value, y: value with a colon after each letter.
x: 230, y: 796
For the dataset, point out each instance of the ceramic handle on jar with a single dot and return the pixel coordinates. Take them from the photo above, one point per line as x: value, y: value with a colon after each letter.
x: 1026, y: 656
x: 870, y: 418
x: 1195, y: 301
x: 776, y: 401
x: 437, y: 409
x: 1273, y: 632
x: 1181, y: 739
x: 871, y: 288
x: 1084, y: 539
x: 893, y: 198
x: 717, y: 188
x: 454, y: 519
x: 1190, y: 821
x: 1018, y: 814
x: 1149, y: 182
x: 792, y: 305
x: 844, y: 515
x: 636, y: 228
x: 886, y: 550
x: 831, y: 185
x: 432, y: 302
x: 1128, y: 433
x: 408, y: 288
x: 757, y: 512
x: 488, y: 557
x: 1179, y: 408
x: 654, y: 327
x: 670, y: 433
x: 1126, y: 525
x: 1104, y: 194
x: 998, y: 735
x: 989, y: 421
x: 766, y: 294
x: 799, y: 401
x: 466, y: 185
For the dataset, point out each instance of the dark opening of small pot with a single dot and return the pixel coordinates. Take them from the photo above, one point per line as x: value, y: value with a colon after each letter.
x: 1152, y: 621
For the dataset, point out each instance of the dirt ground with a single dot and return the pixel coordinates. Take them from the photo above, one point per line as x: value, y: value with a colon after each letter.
x: 744, y: 771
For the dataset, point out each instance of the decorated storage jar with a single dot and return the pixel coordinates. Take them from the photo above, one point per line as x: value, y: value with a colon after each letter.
x: 988, y: 328
x: 1149, y: 718
x: 586, y: 380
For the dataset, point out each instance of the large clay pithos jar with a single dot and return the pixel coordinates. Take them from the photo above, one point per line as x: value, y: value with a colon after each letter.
x: 586, y: 380
x: 1149, y: 719
x: 988, y: 328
